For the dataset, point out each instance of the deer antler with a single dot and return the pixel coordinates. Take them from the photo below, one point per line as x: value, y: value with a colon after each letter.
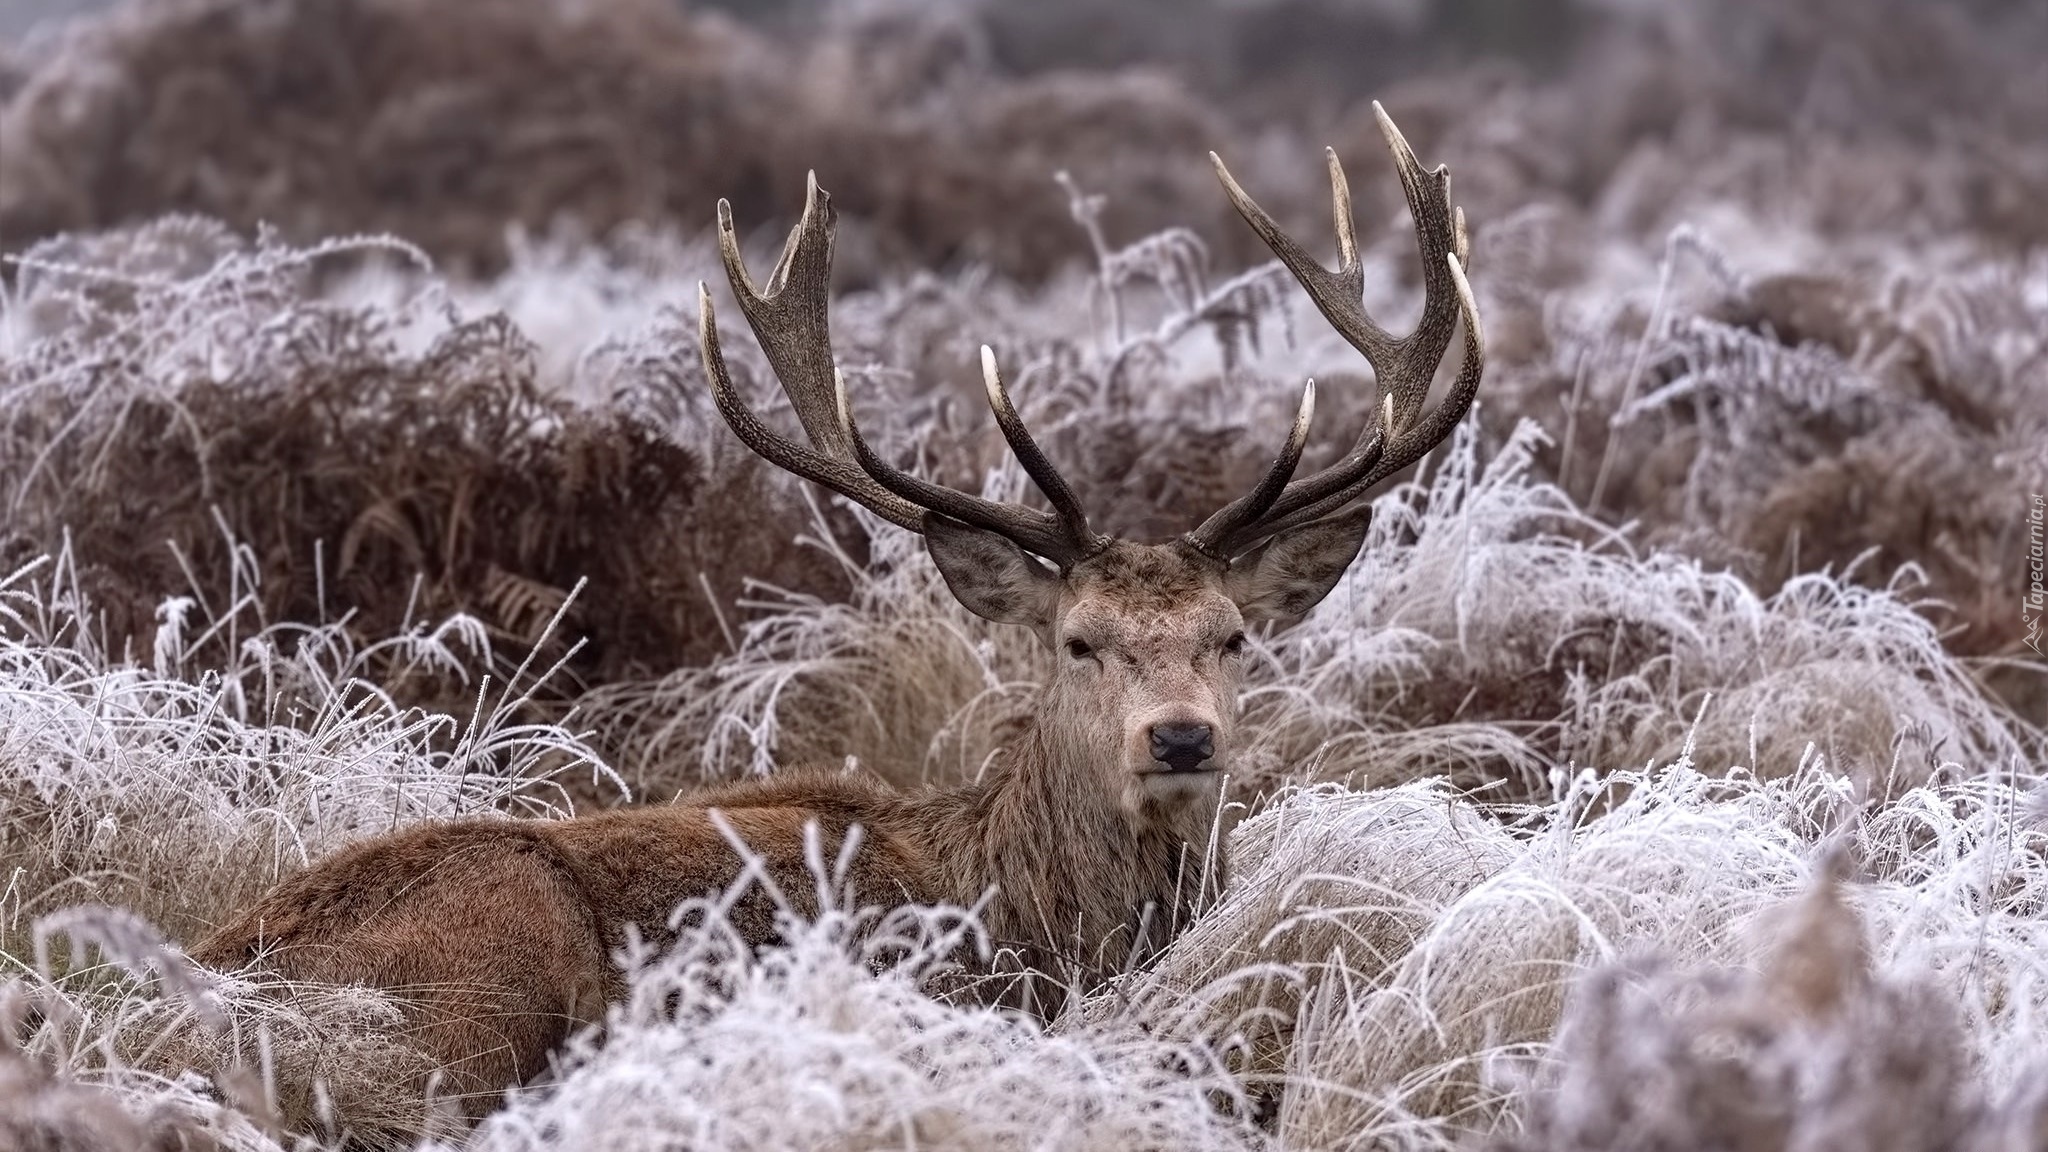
x: 790, y: 320
x: 1404, y: 367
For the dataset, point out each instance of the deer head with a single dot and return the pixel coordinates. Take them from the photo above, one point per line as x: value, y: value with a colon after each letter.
x: 1149, y: 639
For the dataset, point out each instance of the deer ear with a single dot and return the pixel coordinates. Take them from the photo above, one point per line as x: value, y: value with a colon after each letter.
x: 1291, y: 573
x: 991, y: 576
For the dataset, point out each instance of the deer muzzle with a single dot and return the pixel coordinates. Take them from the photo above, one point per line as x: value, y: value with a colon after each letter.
x: 1183, y: 747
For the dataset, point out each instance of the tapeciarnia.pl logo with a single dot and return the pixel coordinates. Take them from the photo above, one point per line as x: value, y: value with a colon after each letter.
x: 2035, y: 603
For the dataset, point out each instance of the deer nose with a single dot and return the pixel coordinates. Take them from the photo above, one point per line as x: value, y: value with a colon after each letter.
x: 1182, y: 747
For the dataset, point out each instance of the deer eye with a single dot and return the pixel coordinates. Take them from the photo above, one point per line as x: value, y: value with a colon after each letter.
x: 1079, y: 649
x: 1234, y: 645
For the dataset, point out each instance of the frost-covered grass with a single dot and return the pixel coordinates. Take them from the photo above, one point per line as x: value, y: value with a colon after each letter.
x: 1402, y: 965
x: 832, y: 1042
x: 1489, y: 631
x: 1667, y: 773
x: 1388, y: 966
x: 181, y: 787
x: 147, y: 799
x: 1547, y: 750
x: 1520, y: 745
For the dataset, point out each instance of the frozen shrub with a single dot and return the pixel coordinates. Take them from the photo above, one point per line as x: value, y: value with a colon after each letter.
x: 395, y: 462
x: 1810, y: 1051
x: 1665, y: 775
x: 445, y: 125
x: 182, y: 788
x: 144, y: 1051
x: 828, y: 1041
x: 1391, y: 967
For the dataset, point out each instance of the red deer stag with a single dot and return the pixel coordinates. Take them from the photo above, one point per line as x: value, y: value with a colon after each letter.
x: 1089, y: 835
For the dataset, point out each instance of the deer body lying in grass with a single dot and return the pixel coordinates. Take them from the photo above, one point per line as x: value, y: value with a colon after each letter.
x: 1090, y: 837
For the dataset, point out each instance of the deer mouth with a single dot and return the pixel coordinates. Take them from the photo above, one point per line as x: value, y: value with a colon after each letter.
x: 1190, y: 762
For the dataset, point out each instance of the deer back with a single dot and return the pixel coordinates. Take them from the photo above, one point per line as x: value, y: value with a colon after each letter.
x: 498, y: 937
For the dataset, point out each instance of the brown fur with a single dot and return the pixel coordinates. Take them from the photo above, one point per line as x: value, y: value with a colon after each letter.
x: 1086, y: 845
x: 498, y: 935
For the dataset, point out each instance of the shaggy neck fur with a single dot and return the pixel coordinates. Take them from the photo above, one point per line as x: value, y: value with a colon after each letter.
x: 1084, y: 885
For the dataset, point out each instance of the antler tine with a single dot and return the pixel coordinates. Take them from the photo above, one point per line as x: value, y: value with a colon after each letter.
x: 1330, y: 289
x: 1046, y: 534
x: 843, y: 476
x: 1415, y: 441
x: 1220, y: 529
x: 790, y: 319
x: 1439, y: 231
x: 1406, y: 366
x: 1073, y: 518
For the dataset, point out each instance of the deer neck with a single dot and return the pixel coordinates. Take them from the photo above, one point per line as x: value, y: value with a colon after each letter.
x: 1081, y: 878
